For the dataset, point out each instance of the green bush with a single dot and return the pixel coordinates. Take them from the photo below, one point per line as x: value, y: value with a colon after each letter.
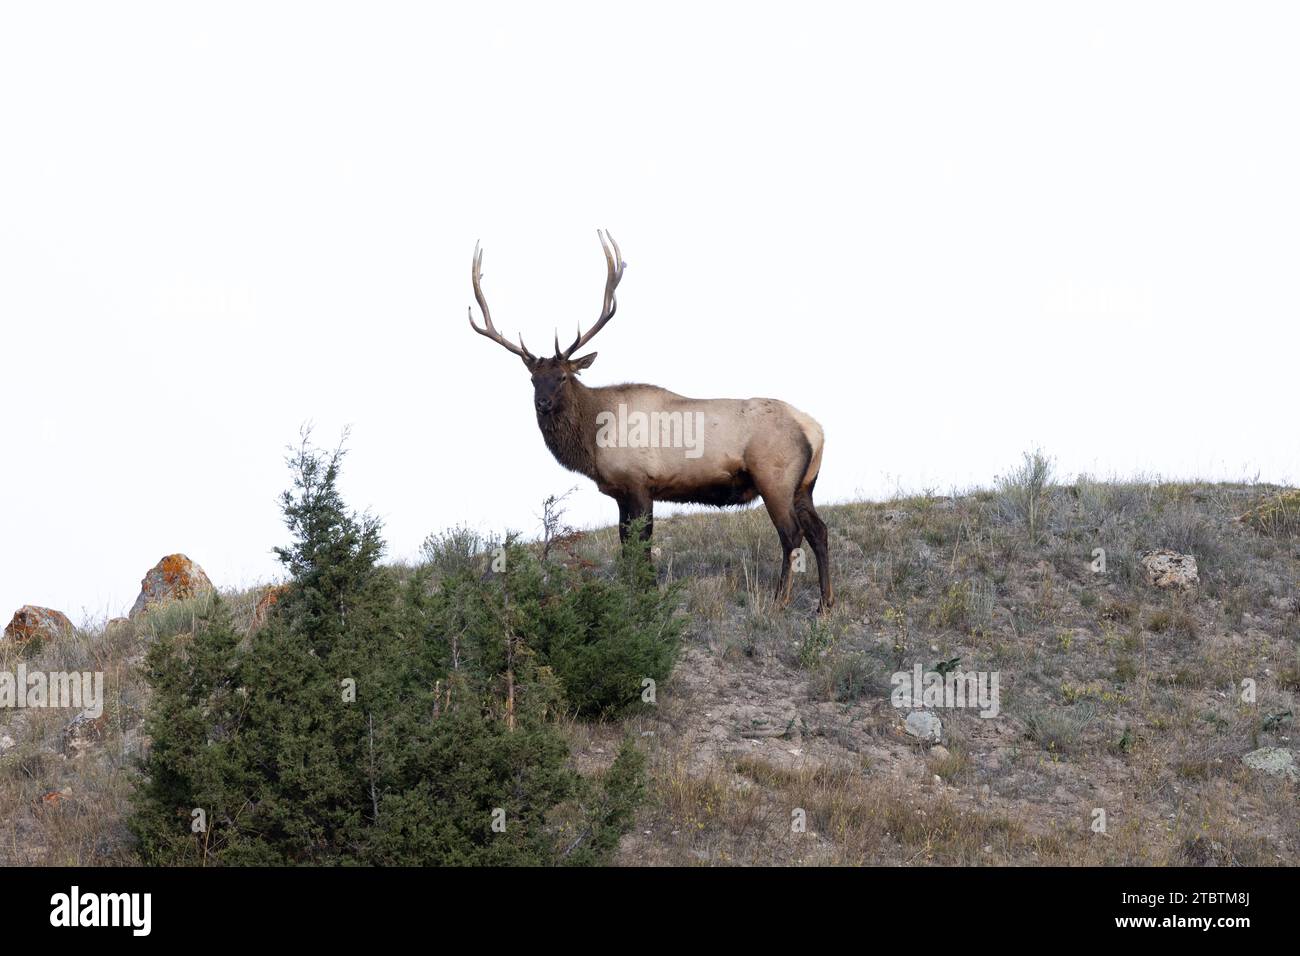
x: 388, y: 722
x: 454, y: 550
x: 600, y: 636
x: 1024, y: 493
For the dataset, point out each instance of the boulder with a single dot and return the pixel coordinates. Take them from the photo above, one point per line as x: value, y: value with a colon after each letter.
x: 174, y: 578
x: 1274, y: 761
x: 1169, y: 569
x: 30, y: 621
x: 268, y: 599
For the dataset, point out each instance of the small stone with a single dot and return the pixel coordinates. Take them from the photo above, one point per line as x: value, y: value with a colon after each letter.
x: 1169, y: 570
x: 925, y: 725
x: 53, y: 798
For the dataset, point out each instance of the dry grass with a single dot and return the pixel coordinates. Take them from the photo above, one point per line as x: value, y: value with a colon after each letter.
x: 64, y: 802
x: 1114, y: 696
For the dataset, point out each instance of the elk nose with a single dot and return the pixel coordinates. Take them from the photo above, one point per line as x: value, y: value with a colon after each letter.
x: 544, y: 404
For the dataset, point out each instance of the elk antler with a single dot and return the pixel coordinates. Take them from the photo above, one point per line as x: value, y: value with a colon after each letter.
x: 614, y: 263
x: 490, y: 330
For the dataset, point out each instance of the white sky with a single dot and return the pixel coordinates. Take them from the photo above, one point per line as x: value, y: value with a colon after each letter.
x: 948, y: 232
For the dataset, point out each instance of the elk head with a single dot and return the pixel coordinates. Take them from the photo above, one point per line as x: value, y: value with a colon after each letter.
x: 553, y: 377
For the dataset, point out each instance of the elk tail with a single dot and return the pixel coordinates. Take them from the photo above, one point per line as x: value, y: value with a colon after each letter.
x: 813, y: 438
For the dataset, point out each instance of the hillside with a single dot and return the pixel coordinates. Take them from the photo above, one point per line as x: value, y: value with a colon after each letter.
x: 1115, y: 694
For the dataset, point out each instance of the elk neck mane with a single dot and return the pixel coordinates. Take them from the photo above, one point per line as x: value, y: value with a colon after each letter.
x: 570, y: 433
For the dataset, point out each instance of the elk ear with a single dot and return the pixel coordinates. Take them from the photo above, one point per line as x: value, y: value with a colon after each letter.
x: 585, y: 362
x: 529, y: 362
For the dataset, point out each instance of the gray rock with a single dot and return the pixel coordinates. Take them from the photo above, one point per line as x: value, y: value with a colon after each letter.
x: 1274, y: 761
x: 923, y: 724
x: 1169, y: 569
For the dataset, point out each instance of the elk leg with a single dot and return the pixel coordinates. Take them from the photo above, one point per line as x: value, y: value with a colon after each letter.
x: 623, y: 519
x: 789, y: 544
x: 787, y: 528
x: 631, y: 507
x: 643, y: 506
x: 815, y: 528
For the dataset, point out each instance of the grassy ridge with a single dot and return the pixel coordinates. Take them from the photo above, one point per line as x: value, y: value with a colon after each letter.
x: 1115, y: 695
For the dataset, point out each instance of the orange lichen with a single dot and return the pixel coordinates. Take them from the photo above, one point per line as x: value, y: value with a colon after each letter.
x: 30, y: 621
x: 176, y: 575
x: 173, y: 578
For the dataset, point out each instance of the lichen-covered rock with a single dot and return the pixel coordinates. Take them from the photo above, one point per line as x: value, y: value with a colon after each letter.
x: 30, y: 621
x: 269, y: 598
x: 925, y: 725
x: 174, y: 578
x: 1274, y: 761
x: 84, y: 730
x: 1169, y: 569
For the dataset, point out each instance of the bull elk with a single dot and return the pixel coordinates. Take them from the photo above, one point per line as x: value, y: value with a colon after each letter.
x: 641, y: 443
